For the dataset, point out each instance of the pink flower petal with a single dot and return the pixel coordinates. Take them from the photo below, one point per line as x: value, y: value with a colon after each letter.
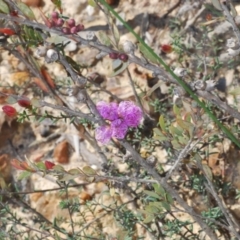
x: 103, y: 134
x: 108, y: 110
x: 131, y: 113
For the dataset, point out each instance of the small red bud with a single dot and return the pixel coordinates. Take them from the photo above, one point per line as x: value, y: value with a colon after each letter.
x: 209, y: 17
x: 9, y: 111
x: 24, y: 102
x: 49, y: 165
x: 14, y: 13
x: 59, y: 22
x: 79, y: 27
x: 114, y: 55
x: 55, y: 15
x: 123, y: 57
x: 166, y: 48
x: 66, y: 30
x: 73, y: 30
x: 7, y: 31
x: 71, y: 23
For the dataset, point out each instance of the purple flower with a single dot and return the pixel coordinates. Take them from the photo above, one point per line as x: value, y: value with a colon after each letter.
x: 131, y: 113
x: 103, y: 134
x: 121, y: 117
x: 108, y: 110
x: 119, y: 128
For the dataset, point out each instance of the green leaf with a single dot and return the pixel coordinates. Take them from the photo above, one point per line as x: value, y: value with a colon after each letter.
x: 74, y: 171
x: 24, y: 175
x: 104, y: 39
x: 27, y: 11
x: 40, y: 165
x: 207, y: 171
x: 158, y: 205
x: 149, y: 218
x: 176, y: 110
x: 116, y: 64
x: 4, y: 7
x: 92, y: 3
x: 159, y: 189
x: 3, y: 184
x: 183, y: 140
x: 121, y: 69
x: 175, y: 131
x: 235, y: 91
x: 58, y: 4
x: 176, y: 144
x: 183, y: 124
x: 66, y: 177
x: 217, y: 4
x: 88, y: 170
x: 151, y: 194
x: 36, y: 102
x: 166, y: 205
x: 162, y: 123
x: 152, y: 209
x: 169, y: 198
x: 147, y: 54
x: 59, y: 168
x: 158, y: 135
x: 11, y: 100
x: 116, y: 34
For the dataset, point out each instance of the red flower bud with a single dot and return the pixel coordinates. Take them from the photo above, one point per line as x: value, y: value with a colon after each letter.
x: 59, y: 22
x: 66, y: 30
x: 24, y: 102
x: 7, y: 31
x: 55, y: 15
x: 114, y: 55
x: 123, y: 57
x: 71, y: 23
x: 79, y: 27
x: 9, y: 111
x: 166, y: 48
x: 14, y: 13
x: 49, y: 165
x: 73, y: 30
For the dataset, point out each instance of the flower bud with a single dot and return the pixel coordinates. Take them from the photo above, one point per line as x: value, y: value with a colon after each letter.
x: 79, y: 27
x: 123, y: 57
x: 166, y: 48
x: 9, y: 111
x: 49, y: 165
x: 59, y: 22
x: 55, y: 15
x: 71, y: 23
x: 73, y: 30
x: 66, y: 30
x: 24, y: 102
x: 114, y: 55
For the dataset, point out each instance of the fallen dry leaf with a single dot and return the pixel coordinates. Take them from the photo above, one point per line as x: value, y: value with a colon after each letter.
x: 61, y: 152
x: 19, y: 78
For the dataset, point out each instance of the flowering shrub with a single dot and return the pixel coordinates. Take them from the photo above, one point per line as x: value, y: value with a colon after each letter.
x: 167, y: 162
x: 120, y: 118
